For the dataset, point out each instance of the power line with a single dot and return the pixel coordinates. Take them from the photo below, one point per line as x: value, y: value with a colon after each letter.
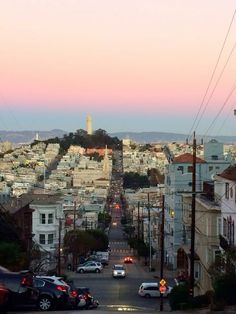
x: 212, y: 75
x: 216, y: 84
x: 222, y: 107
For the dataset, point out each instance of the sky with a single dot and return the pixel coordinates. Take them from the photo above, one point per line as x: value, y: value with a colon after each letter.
x: 133, y: 65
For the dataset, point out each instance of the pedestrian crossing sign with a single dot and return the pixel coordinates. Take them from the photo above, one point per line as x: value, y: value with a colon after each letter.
x: 162, y: 282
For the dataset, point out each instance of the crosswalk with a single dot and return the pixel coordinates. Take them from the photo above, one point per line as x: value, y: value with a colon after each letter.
x: 118, y: 243
x: 118, y: 250
x: 119, y: 247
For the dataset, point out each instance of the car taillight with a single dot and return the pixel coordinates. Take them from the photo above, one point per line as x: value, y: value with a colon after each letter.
x: 73, y: 294
x: 61, y: 288
x: 25, y: 281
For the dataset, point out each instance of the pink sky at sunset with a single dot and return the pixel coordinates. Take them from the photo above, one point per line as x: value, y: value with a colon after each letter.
x: 114, y: 57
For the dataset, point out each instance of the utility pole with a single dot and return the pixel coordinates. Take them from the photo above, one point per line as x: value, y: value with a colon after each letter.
x: 149, y: 235
x: 142, y: 225
x: 162, y: 248
x: 192, y: 251
x: 138, y: 222
x: 74, y: 215
x: 59, y: 249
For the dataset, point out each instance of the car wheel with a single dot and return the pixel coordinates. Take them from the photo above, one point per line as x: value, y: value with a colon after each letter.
x: 97, y: 270
x: 45, y: 303
x: 81, y: 271
x: 147, y: 296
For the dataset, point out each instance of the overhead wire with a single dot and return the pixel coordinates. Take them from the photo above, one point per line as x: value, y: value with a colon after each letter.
x: 216, y: 84
x: 227, y: 116
x: 212, y: 76
x: 221, y: 109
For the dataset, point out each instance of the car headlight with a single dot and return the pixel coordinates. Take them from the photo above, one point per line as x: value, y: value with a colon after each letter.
x: 115, y: 272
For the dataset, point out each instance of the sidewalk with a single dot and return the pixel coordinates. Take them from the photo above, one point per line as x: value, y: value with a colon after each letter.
x: 167, y: 273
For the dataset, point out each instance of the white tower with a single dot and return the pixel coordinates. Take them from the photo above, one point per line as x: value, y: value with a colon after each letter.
x: 89, y: 124
x: 106, y: 164
x: 37, y: 137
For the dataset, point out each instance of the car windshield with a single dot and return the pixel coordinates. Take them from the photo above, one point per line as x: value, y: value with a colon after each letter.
x: 118, y: 267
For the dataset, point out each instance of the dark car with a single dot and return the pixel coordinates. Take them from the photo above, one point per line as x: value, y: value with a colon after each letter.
x: 3, y: 298
x: 52, y: 295
x: 21, y: 291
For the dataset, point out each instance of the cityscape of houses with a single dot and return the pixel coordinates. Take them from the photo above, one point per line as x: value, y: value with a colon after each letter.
x: 49, y: 194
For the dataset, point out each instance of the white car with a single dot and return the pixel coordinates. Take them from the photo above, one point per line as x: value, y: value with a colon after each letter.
x: 118, y: 271
x: 151, y: 289
x: 90, y: 266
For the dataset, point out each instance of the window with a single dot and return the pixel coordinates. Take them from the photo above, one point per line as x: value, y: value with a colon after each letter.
x: 43, y: 219
x: 224, y: 227
x: 214, y: 157
x: 190, y: 168
x: 227, y: 191
x: 217, y: 257
x: 39, y: 283
x: 218, y: 231
x: 210, y: 168
x: 231, y: 192
x: 197, y: 271
x: 50, y: 218
x: 42, y: 239
x: 50, y: 238
x: 180, y: 168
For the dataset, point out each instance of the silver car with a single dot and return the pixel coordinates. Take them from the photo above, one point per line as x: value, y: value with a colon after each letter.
x: 90, y: 266
x: 118, y: 271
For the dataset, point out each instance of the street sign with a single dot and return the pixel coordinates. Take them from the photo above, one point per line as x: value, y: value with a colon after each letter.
x: 162, y: 282
x: 162, y: 289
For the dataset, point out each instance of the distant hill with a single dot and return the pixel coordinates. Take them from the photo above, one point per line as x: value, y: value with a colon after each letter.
x: 17, y: 137
x: 152, y: 137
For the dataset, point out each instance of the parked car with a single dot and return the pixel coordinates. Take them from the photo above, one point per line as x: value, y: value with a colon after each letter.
x: 92, y: 258
x: 3, y: 298
x: 151, y: 289
x: 128, y: 259
x: 118, y: 271
x: 21, y: 291
x: 90, y: 267
x: 53, y: 295
x: 55, y: 279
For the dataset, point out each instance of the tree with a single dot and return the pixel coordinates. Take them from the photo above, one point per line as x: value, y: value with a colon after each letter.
x: 133, y: 180
x: 104, y: 218
x: 11, y: 255
x: 77, y: 242
x: 100, y: 240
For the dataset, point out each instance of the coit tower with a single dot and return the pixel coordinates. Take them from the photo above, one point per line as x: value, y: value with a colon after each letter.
x: 89, y: 124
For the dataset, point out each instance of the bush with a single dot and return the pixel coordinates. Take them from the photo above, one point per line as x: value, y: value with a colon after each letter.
x: 225, y: 288
x: 200, y: 301
x: 179, y: 297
